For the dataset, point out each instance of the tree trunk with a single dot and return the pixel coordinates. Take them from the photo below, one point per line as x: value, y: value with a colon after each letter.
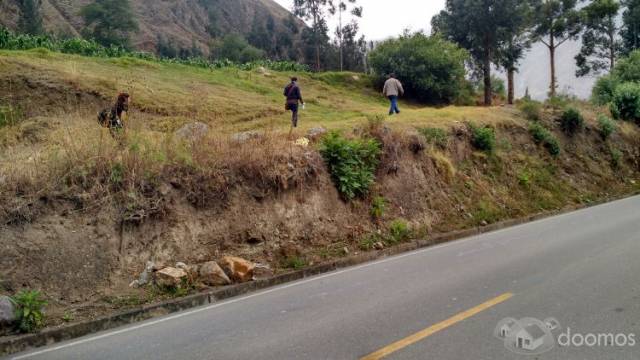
x: 510, y: 86
x: 487, y: 78
x: 612, y: 50
x: 552, y: 56
x: 317, y: 56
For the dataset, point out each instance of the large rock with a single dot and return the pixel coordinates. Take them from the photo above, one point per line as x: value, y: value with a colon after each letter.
x: 193, y: 131
x: 7, y: 311
x: 238, y: 269
x: 171, y: 277
x: 212, y: 274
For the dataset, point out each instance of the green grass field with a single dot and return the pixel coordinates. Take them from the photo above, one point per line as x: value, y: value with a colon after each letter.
x: 166, y: 96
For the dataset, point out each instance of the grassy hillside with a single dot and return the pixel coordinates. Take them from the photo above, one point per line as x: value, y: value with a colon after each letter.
x: 72, y: 197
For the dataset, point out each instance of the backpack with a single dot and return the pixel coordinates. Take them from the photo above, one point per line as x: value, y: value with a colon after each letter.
x: 103, y: 117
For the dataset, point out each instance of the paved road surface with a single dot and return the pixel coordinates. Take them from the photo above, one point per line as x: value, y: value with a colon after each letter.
x: 444, y: 302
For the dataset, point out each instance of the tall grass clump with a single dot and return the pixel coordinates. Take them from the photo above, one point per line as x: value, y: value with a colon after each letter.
x: 571, y: 121
x: 544, y: 137
x: 606, y: 126
x: 352, y: 163
x: 435, y: 136
x: 531, y: 109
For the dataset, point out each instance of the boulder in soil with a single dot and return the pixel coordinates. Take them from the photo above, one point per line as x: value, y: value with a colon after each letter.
x: 212, y: 274
x: 171, y: 277
x: 238, y: 269
x: 7, y: 311
x: 316, y: 133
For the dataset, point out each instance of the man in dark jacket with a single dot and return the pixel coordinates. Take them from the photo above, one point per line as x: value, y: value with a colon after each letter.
x: 294, y: 98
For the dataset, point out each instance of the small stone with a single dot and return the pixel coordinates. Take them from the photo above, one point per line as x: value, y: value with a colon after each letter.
x: 7, y: 311
x: 238, y: 269
x: 379, y: 245
x: 212, y: 274
x: 345, y: 250
x: 171, y: 277
x: 484, y: 223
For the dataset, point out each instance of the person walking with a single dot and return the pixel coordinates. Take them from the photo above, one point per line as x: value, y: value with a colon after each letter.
x: 113, y: 118
x: 392, y: 90
x: 294, y: 98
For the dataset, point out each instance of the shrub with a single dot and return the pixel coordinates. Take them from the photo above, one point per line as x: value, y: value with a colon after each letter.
x: 531, y: 109
x: 294, y: 262
x: 29, y: 305
x: 431, y: 68
x: 544, y: 137
x: 9, y: 116
x: 378, y: 207
x: 571, y: 121
x: 497, y: 86
x: 483, y: 138
x: 559, y: 101
x: 435, y: 136
x: 399, y: 231
x: 352, y: 163
x: 626, y: 102
x: 616, y: 158
x: 603, y: 90
x: 606, y: 126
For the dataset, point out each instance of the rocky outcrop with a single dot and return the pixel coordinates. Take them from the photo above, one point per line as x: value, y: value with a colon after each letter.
x: 7, y: 311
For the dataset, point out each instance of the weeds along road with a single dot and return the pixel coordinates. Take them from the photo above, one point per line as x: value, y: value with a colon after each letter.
x: 439, y: 303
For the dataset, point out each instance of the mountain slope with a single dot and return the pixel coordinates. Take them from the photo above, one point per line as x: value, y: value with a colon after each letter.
x: 183, y: 22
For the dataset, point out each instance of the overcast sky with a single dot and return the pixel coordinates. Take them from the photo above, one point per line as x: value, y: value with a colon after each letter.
x: 382, y: 19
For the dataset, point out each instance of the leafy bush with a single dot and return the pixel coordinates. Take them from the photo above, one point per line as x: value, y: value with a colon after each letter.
x: 435, y: 136
x: 431, y: 68
x: 531, y: 109
x: 603, y: 90
x: 606, y: 126
x: 544, y: 137
x: 29, y: 306
x: 483, y: 138
x: 626, y: 102
x: 571, y: 121
x: 352, y: 163
x: 378, y: 207
x: 399, y: 231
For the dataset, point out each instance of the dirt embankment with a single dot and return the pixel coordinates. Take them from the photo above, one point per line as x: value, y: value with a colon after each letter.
x: 81, y: 225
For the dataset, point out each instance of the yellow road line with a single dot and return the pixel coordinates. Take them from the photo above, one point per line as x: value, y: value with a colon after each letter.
x: 412, y: 339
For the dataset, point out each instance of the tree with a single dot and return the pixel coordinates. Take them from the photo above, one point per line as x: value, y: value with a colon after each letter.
x: 356, y: 11
x: 517, y: 42
x: 315, y: 11
x: 477, y: 25
x: 213, y: 27
x: 601, y: 45
x: 631, y: 26
x: 30, y: 21
x: 557, y: 21
x: 354, y: 49
x: 235, y: 48
x: 431, y: 68
x: 109, y: 22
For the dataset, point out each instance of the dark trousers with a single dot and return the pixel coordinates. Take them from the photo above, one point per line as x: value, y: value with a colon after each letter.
x: 394, y: 105
x: 294, y: 114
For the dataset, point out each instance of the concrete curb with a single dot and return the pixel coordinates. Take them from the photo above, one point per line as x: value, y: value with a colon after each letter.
x: 19, y: 343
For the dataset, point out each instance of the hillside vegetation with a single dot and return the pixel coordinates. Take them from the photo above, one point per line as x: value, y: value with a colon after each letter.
x: 72, y: 197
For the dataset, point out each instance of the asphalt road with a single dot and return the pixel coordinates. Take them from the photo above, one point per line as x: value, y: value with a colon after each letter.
x: 582, y: 269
